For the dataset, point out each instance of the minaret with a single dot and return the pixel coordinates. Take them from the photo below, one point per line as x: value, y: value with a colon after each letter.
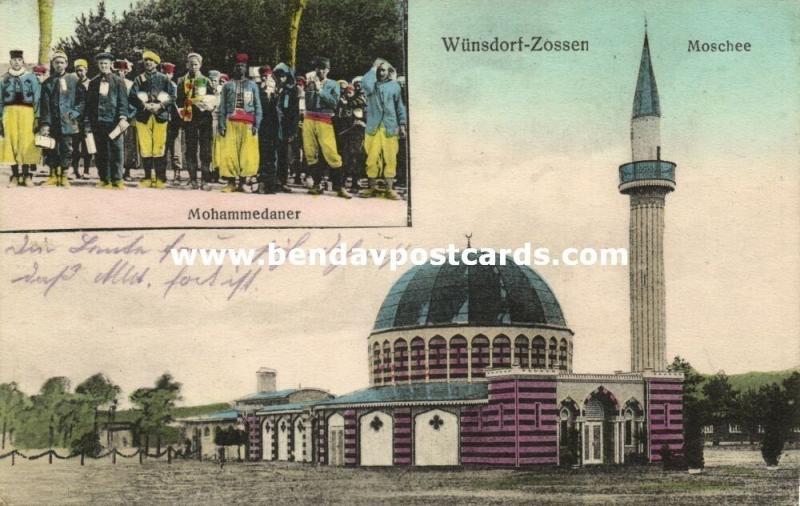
x: 647, y: 180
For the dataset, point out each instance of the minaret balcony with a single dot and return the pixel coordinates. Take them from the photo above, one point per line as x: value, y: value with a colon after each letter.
x: 647, y: 173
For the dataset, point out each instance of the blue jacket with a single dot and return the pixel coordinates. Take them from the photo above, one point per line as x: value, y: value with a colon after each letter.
x: 324, y: 100
x: 62, y: 106
x: 106, y: 109
x: 26, y: 84
x: 384, y: 104
x: 152, y: 85
x: 227, y: 102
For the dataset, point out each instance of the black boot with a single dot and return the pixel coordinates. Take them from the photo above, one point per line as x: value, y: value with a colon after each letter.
x: 14, y: 181
x: 147, y: 182
x: 338, y: 187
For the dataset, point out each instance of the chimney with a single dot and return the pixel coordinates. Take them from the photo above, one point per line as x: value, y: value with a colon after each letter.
x: 265, y: 379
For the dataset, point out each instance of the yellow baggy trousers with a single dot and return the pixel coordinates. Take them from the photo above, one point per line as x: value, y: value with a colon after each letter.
x: 382, y: 152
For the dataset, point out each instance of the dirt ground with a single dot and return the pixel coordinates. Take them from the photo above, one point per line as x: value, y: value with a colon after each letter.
x: 732, y: 476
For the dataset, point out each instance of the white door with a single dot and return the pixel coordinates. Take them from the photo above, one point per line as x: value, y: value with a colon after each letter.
x: 436, y: 439
x: 266, y: 440
x: 283, y: 427
x: 336, y: 440
x: 300, y: 429
x: 375, y: 429
x: 593, y: 443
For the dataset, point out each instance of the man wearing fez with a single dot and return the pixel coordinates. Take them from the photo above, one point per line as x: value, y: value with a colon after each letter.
x: 79, y: 141
x: 322, y: 95
x: 196, y: 100
x: 19, y: 109
x: 60, y: 112
x: 123, y: 67
x: 151, y: 95
x: 386, y: 123
x: 239, y: 116
x: 107, y: 109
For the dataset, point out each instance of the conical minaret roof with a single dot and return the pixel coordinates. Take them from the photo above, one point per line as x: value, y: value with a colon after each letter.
x: 645, y: 102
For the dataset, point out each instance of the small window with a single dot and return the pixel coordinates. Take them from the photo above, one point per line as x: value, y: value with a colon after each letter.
x: 206, y: 431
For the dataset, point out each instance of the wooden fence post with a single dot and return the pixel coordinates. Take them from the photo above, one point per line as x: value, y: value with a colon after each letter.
x: 114, y: 456
x: 82, y: 455
x: 141, y: 457
x: 13, y: 454
x: 50, y: 456
x: 169, y: 455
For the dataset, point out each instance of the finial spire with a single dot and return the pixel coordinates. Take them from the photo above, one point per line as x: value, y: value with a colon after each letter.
x: 645, y: 24
x: 469, y: 237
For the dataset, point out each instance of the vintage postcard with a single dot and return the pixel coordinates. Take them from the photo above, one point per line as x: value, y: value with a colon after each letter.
x: 598, y: 301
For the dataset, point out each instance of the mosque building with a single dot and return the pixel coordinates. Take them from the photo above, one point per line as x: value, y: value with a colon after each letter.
x: 472, y: 364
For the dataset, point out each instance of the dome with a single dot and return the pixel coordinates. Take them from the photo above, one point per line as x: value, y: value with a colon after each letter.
x: 469, y: 295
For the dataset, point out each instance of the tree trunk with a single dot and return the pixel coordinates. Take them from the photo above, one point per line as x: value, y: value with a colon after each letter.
x: 4, y: 434
x: 147, y: 443
x: 295, y: 13
x: 158, y: 444
x: 45, y: 29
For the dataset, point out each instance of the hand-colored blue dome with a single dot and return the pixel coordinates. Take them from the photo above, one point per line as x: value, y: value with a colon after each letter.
x: 474, y: 295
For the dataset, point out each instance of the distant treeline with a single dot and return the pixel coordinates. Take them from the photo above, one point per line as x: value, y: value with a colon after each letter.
x: 352, y: 33
x: 58, y: 416
x: 764, y: 410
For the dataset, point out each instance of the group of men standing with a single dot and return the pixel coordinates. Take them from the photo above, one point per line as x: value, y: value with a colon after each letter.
x: 240, y: 126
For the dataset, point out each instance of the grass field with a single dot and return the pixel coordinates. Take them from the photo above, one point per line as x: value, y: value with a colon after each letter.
x: 732, y: 476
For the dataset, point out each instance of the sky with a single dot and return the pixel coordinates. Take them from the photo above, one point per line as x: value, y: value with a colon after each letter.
x: 512, y: 148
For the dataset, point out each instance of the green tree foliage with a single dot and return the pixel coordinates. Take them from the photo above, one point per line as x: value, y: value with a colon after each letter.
x: 748, y: 412
x: 97, y: 391
x: 777, y: 422
x: 352, y: 33
x: 721, y: 403
x: 156, y: 407
x: 93, y: 34
x: 694, y: 412
x: 12, y: 404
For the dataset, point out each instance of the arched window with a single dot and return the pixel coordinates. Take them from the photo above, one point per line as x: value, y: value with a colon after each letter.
x: 501, y: 351
x: 387, y: 362
x: 521, y: 351
x: 417, y: 359
x: 206, y: 431
x: 562, y: 355
x: 552, y: 353
x: 539, y: 352
x: 376, y: 363
x: 437, y: 358
x: 458, y: 357
x: 400, y: 360
x: 480, y: 355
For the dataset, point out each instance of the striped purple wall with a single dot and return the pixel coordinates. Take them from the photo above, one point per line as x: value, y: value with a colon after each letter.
x: 402, y: 437
x: 517, y: 428
x: 350, y: 438
x: 664, y: 417
x: 254, y: 435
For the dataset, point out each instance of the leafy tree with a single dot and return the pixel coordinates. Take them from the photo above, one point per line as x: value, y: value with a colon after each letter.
x: 98, y: 390
x: 54, y: 391
x: 156, y: 405
x: 694, y: 410
x: 93, y: 34
x: 748, y: 412
x: 777, y: 421
x: 12, y: 403
x: 720, y: 403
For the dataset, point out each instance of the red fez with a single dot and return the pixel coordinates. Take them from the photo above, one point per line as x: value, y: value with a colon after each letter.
x: 301, y: 81
x: 224, y: 77
x: 168, y: 68
x: 242, y: 58
x: 121, y: 65
x: 39, y: 70
x: 266, y: 70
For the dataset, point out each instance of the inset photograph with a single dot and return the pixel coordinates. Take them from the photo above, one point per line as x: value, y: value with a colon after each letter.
x: 278, y: 114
